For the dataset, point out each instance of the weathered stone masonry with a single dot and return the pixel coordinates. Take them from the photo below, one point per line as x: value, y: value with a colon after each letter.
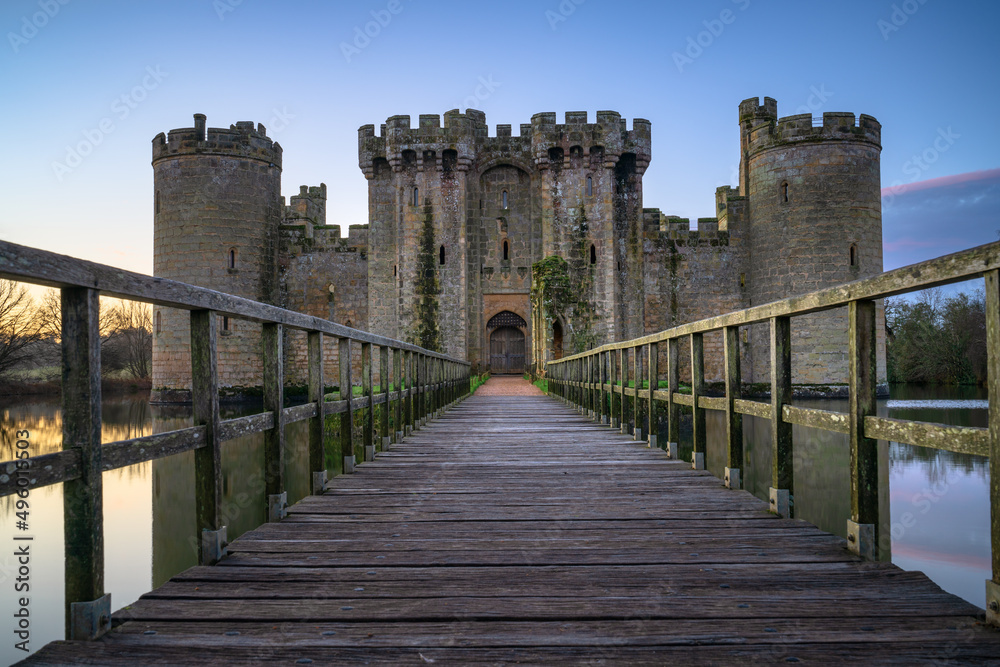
x: 459, y: 219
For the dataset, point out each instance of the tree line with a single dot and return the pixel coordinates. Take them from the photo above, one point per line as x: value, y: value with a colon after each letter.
x: 937, y: 339
x: 30, y: 333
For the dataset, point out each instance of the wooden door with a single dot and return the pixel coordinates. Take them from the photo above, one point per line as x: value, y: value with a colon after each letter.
x: 507, y: 351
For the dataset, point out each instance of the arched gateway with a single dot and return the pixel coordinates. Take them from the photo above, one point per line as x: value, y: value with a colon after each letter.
x: 506, y: 343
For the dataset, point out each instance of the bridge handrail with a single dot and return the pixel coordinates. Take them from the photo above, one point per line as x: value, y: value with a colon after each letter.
x: 425, y: 382
x: 597, y: 381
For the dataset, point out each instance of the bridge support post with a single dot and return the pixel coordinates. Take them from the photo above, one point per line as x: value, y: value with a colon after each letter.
x: 734, y: 420
x: 603, y: 358
x: 673, y: 409
x: 207, y: 459
x: 367, y: 390
x: 317, y: 453
x: 862, y: 529
x: 384, y: 384
x: 697, y: 391
x: 397, y: 407
x: 614, y: 359
x: 623, y: 403
x: 346, y: 417
x: 636, y: 399
x: 993, y: 384
x: 274, y: 439
x: 83, y: 497
x: 652, y: 365
x: 408, y: 364
x: 780, y: 492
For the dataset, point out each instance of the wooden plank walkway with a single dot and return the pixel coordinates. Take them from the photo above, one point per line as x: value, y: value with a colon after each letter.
x: 514, y: 531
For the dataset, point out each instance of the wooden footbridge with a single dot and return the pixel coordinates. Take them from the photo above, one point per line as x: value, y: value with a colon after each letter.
x: 507, y: 529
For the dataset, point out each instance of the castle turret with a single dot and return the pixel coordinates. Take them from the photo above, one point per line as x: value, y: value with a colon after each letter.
x: 217, y: 207
x: 815, y: 221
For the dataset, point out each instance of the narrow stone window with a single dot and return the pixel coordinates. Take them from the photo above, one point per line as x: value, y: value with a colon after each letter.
x: 503, y: 202
x: 743, y: 280
x: 231, y: 261
x: 441, y: 256
x: 590, y: 186
x: 416, y: 196
x: 225, y: 323
x: 159, y: 323
x: 593, y: 254
x: 393, y: 269
x: 157, y: 201
x: 854, y: 254
x: 784, y: 193
x: 506, y: 251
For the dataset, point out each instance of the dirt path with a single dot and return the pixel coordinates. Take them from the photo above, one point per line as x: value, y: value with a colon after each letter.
x: 508, y: 385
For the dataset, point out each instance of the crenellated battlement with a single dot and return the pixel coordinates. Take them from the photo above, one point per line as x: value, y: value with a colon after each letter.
x: 309, y: 204
x: 241, y: 140
x: 762, y: 129
x: 468, y: 135
x: 658, y: 226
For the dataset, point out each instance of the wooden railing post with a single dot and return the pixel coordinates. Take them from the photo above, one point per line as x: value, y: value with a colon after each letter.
x: 863, y: 527
x: 636, y: 403
x: 652, y: 366
x: 367, y: 390
x: 734, y: 420
x: 346, y: 418
x: 993, y: 386
x: 317, y: 391
x: 589, y: 374
x: 782, y: 488
x: 408, y: 365
x: 623, y: 404
x: 397, y: 374
x: 613, y: 358
x: 88, y: 608
x: 384, y: 384
x: 207, y: 459
x: 274, y: 439
x: 602, y: 393
x: 697, y: 391
x: 673, y: 409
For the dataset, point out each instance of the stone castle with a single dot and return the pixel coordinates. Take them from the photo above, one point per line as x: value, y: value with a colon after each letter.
x: 510, y: 250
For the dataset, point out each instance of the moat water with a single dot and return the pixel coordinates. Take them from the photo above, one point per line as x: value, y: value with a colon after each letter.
x: 938, y: 502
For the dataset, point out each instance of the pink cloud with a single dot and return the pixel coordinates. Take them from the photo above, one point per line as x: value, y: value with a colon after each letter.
x: 943, y: 181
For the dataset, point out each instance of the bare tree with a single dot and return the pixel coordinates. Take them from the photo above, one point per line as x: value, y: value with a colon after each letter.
x: 19, y: 326
x: 133, y: 332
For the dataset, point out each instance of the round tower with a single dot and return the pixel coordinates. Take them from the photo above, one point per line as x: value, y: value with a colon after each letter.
x: 217, y: 208
x: 815, y: 222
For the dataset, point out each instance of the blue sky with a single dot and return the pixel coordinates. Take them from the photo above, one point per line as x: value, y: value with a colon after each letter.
x: 104, y: 77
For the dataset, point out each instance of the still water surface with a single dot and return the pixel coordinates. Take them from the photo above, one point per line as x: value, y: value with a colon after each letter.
x: 938, y: 501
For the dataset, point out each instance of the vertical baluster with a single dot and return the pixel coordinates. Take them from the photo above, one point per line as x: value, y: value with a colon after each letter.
x: 613, y: 356
x: 274, y: 439
x: 397, y: 374
x: 317, y: 392
x: 88, y: 608
x: 782, y: 486
x: 697, y: 391
x: 862, y: 529
x: 207, y: 459
x: 346, y: 418
x: 636, y: 403
x: 673, y: 409
x: 602, y: 394
x: 734, y: 420
x: 623, y: 403
x: 652, y: 366
x: 384, y: 382
x: 993, y: 387
x: 408, y: 364
x: 368, y: 391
